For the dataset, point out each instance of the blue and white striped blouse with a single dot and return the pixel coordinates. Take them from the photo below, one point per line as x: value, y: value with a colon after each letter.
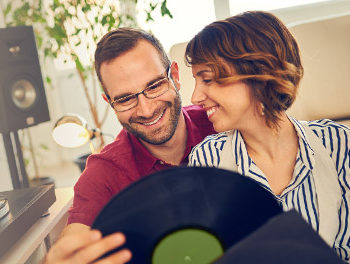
x: 300, y: 193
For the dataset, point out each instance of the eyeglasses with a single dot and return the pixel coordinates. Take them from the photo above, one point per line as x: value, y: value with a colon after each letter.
x: 155, y: 90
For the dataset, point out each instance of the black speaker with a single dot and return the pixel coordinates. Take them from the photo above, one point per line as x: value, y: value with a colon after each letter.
x: 22, y: 94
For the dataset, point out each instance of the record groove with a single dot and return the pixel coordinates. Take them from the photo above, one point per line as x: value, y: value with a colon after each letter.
x: 223, y: 203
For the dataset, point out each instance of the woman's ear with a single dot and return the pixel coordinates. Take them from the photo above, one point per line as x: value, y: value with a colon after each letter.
x: 174, y: 74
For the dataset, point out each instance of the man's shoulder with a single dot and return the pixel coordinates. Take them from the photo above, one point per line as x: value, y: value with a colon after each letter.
x: 195, y: 112
x: 122, y: 142
x: 198, y: 117
x: 114, y: 165
x: 197, y: 123
x: 120, y: 149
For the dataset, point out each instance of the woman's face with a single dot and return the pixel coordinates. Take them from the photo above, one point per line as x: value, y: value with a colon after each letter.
x: 229, y: 106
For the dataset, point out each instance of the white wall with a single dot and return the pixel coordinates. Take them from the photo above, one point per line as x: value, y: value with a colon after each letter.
x: 325, y: 90
x: 176, y: 53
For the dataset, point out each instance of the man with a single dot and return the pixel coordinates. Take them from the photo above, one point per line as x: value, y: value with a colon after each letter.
x: 142, y: 86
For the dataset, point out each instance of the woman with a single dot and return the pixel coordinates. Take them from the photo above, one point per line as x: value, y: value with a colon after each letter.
x: 247, y: 70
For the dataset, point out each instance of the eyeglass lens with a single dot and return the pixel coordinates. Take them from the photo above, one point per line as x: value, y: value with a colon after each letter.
x: 155, y: 90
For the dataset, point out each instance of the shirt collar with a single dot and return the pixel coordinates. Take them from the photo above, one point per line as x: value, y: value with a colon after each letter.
x: 243, y: 161
x: 143, y: 157
x: 306, y: 152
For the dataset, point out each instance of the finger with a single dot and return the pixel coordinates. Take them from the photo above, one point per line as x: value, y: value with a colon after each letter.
x: 119, y: 257
x: 69, y: 244
x: 99, y: 248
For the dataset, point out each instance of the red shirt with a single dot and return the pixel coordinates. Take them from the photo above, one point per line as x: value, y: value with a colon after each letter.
x: 123, y: 162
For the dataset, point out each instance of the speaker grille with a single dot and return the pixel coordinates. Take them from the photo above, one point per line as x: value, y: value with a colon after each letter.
x: 23, y: 94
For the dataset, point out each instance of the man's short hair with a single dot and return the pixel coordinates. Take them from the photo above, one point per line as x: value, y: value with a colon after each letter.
x: 121, y: 40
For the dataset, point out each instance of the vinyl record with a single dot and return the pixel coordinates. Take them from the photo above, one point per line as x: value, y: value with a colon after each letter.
x: 186, y: 215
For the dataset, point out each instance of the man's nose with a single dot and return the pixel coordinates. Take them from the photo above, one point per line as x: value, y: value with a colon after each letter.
x: 198, y: 95
x: 145, y: 106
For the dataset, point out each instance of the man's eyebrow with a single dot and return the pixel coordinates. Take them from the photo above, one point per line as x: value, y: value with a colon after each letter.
x: 160, y: 77
x: 147, y: 85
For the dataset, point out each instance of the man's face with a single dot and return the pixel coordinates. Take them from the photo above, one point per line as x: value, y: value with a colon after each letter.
x: 153, y: 120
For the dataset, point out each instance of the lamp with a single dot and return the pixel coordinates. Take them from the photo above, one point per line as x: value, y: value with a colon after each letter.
x: 72, y: 131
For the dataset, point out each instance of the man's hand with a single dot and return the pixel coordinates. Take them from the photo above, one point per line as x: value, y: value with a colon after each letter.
x: 86, y: 246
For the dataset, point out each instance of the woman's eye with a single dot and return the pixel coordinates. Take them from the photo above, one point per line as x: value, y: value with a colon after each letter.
x: 207, y: 81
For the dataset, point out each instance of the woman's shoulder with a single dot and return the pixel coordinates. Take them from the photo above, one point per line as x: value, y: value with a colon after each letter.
x: 210, y: 143
x: 334, y: 136
x: 327, y: 125
x: 207, y: 153
x: 219, y: 137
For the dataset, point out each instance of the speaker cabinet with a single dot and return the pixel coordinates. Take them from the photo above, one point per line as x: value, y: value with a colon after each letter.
x: 22, y: 94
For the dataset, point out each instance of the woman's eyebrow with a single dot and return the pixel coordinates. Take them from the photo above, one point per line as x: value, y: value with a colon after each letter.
x: 200, y: 73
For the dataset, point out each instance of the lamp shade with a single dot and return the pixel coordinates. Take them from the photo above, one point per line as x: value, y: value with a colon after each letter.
x: 71, y: 131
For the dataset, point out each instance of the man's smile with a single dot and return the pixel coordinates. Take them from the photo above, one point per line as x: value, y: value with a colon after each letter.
x: 155, y: 120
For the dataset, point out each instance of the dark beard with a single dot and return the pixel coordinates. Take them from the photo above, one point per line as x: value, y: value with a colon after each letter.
x: 175, y: 111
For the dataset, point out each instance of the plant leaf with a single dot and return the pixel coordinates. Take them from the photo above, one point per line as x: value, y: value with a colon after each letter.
x: 78, y: 65
x: 149, y: 17
x: 48, y: 80
x: 44, y: 146
x: 164, y: 9
x: 8, y: 9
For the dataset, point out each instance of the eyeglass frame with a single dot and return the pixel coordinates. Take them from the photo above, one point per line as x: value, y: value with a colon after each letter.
x: 136, y: 95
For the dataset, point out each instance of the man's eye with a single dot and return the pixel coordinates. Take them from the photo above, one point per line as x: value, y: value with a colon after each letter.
x: 157, y: 85
x: 124, y: 100
x: 207, y: 81
x: 153, y: 87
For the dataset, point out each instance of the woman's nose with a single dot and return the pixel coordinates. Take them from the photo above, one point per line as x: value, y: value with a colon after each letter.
x: 198, y: 95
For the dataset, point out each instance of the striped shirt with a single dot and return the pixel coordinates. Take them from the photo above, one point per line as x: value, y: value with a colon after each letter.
x: 300, y: 193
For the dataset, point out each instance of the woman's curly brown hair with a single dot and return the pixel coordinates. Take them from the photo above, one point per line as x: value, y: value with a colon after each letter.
x: 263, y: 53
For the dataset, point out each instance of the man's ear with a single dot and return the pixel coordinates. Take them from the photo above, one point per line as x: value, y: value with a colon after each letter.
x: 104, y: 96
x: 175, y: 74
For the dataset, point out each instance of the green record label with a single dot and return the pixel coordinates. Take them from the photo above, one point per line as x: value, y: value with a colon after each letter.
x: 188, y: 246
